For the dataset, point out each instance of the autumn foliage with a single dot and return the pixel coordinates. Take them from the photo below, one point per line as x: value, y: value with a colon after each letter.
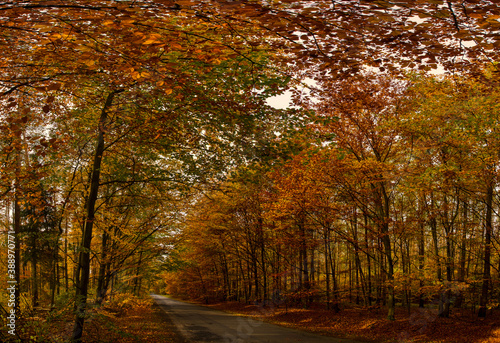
x: 388, y: 205
x: 138, y: 151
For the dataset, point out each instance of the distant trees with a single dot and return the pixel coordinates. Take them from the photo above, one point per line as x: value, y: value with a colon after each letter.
x: 391, y: 201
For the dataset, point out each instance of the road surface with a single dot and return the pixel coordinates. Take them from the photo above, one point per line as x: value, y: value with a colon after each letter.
x: 201, y: 324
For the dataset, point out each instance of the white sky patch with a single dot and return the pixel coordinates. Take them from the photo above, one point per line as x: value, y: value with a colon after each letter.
x: 284, y: 100
x: 280, y: 101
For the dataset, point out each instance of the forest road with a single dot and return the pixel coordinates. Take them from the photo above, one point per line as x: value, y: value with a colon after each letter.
x: 201, y: 324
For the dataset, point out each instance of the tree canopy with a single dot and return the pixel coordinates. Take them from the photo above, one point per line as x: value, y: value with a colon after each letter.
x: 136, y: 139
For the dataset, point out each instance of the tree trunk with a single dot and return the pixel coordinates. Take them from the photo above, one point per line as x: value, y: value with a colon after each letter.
x: 58, y: 279
x: 390, y: 277
x: 421, y: 264
x: 483, y: 302
x: 34, y: 282
x: 263, y: 257
x: 326, y: 242
x: 463, y: 246
x: 138, y: 272
x: 368, y: 258
x: 17, y: 250
x: 84, y: 256
x: 53, y: 279
x: 360, y: 279
x: 382, y: 208
x: 101, y: 291
x: 408, y: 289
x: 448, y: 224
x: 66, y: 269
x: 433, y: 225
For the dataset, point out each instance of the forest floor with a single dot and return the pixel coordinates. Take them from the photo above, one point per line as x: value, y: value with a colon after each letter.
x: 142, y: 321
x: 135, y: 322
x: 422, y: 325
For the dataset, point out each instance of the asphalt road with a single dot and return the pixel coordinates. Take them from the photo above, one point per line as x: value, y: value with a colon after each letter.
x: 201, y: 324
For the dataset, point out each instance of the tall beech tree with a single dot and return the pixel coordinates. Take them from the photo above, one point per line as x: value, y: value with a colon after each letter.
x: 83, y: 269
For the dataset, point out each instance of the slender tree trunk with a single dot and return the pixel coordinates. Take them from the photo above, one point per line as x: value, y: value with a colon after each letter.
x: 433, y: 225
x: 84, y: 255
x: 390, y: 277
x: 138, y: 272
x: 249, y: 278
x: 53, y: 279
x: 17, y: 238
x: 304, y: 269
x: 463, y: 255
x: 333, y: 266
x: 263, y: 257
x: 448, y: 224
x: 109, y: 275
x: 360, y: 277
x: 66, y: 269
x: 312, y: 281
x: 58, y: 279
x: 255, y: 269
x: 303, y: 263
x: 382, y: 208
x: 368, y: 259
x: 100, y: 292
x: 408, y: 285
x: 349, y: 274
x: 34, y: 282
x: 483, y: 302
x: 327, y: 271
x: 421, y: 264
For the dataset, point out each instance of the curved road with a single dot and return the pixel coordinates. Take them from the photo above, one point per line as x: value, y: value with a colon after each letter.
x: 201, y: 324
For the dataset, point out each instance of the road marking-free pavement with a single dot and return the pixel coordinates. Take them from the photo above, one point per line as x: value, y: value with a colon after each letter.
x: 202, y: 324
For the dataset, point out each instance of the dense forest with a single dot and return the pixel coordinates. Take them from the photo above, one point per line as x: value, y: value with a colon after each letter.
x: 140, y: 152
x: 389, y: 198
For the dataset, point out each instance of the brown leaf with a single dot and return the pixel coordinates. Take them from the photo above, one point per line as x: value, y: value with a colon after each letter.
x: 54, y: 86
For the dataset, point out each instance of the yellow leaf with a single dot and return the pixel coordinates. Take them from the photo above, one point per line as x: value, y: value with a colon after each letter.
x: 107, y: 23
x: 160, y: 83
x: 168, y: 91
